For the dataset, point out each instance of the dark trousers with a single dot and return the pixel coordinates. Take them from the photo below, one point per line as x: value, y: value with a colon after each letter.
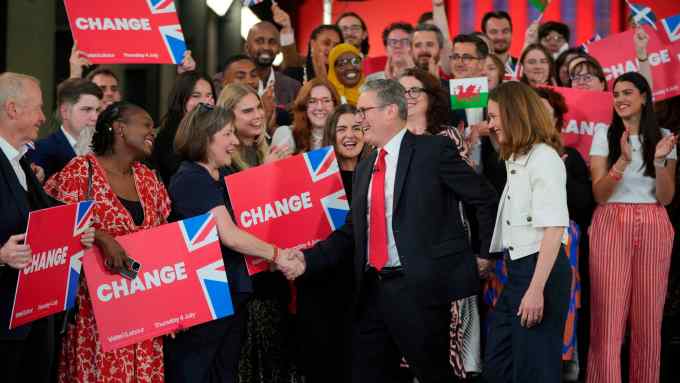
x: 391, y: 324
x: 31, y: 359
x: 209, y: 352
x: 515, y: 354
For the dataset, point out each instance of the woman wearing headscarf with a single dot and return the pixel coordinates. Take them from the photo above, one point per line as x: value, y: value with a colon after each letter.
x: 345, y: 72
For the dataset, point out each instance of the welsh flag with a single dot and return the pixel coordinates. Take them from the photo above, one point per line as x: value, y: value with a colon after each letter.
x: 540, y: 5
x: 469, y: 92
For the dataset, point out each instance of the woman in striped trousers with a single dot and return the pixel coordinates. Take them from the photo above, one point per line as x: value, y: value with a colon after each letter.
x: 633, y: 166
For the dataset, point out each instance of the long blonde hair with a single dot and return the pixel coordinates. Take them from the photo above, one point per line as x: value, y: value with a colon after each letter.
x: 526, y: 121
x: 230, y: 96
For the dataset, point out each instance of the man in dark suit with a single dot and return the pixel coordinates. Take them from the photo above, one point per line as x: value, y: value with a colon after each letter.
x: 411, y: 255
x: 263, y: 44
x: 78, y: 105
x: 26, y: 353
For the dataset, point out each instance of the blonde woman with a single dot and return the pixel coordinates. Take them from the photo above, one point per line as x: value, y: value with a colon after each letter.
x: 250, y: 126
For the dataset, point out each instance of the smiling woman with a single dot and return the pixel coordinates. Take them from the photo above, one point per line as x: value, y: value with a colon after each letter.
x: 345, y: 72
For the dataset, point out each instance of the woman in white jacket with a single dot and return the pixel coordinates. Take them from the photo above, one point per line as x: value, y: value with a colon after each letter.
x: 525, y: 334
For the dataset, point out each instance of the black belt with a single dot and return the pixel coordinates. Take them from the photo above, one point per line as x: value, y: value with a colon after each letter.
x: 386, y: 272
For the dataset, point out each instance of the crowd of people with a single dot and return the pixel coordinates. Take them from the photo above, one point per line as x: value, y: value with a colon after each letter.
x: 478, y: 246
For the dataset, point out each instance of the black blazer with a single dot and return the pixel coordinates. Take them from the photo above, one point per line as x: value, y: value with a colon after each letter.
x: 431, y: 179
x: 52, y: 153
x: 15, y: 205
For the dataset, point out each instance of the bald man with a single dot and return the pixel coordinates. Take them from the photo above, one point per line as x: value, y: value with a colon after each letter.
x: 262, y: 45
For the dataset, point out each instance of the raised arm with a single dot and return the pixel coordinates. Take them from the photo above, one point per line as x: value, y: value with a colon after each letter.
x: 442, y: 22
x: 641, y: 40
x: 289, y: 49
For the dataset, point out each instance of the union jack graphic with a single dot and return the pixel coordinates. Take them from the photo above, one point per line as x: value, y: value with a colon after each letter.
x: 75, y: 265
x: 642, y: 14
x: 83, y: 217
x: 591, y: 40
x: 161, y: 6
x: 174, y: 41
x: 321, y: 163
x: 213, y: 278
x: 672, y: 27
x: 336, y: 208
x: 199, y: 231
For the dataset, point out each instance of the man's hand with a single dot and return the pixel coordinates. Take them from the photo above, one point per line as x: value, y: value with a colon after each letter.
x: 77, y: 61
x: 14, y: 253
x: 281, y: 18
x: 291, y: 263
x: 39, y: 173
x: 188, y: 63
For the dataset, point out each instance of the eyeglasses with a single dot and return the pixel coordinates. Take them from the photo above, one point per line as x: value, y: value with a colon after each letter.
x: 554, y: 38
x: 586, y: 77
x: 361, y: 112
x: 354, y: 60
x: 466, y: 59
x: 320, y: 101
x: 414, y: 92
x: 397, y: 43
x: 351, y: 28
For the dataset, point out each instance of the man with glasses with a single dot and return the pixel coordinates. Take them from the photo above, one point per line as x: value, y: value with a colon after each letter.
x: 408, y: 246
x: 497, y: 26
x: 554, y: 36
x: 397, y: 38
x: 354, y: 31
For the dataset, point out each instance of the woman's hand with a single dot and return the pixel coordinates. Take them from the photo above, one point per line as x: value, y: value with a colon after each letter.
x: 188, y: 64
x: 276, y: 153
x: 115, y: 257
x: 531, y: 307
x: 641, y: 40
x: 665, y: 146
x: 626, y: 150
x: 77, y: 61
x: 87, y: 238
x: 531, y: 35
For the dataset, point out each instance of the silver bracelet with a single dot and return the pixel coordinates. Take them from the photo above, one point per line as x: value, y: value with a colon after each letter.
x: 660, y: 163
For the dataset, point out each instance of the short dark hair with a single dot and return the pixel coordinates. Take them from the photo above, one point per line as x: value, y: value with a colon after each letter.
x: 561, y: 60
x: 425, y: 17
x: 235, y: 58
x: 197, y: 129
x: 404, y: 26
x: 104, y: 137
x: 550, y: 26
x: 495, y: 15
x: 365, y: 46
x: 326, y: 27
x: 480, y: 46
x: 102, y: 71
x: 592, y: 66
x: 432, y: 28
x: 69, y: 91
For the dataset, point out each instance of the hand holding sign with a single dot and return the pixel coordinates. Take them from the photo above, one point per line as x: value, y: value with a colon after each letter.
x: 14, y: 253
x: 77, y: 61
x: 641, y: 39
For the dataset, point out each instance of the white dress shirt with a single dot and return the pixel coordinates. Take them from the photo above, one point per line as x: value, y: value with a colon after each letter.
x: 72, y: 141
x: 535, y: 197
x: 392, y: 147
x: 13, y: 156
x: 271, y: 80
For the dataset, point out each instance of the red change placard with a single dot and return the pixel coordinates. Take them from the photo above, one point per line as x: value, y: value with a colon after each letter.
x: 127, y: 31
x: 292, y: 203
x: 588, y: 112
x: 48, y: 285
x: 181, y: 283
x: 616, y: 54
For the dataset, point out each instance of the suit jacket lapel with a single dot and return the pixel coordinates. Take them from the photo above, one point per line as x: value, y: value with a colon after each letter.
x: 14, y: 186
x: 405, y: 154
x: 64, y: 144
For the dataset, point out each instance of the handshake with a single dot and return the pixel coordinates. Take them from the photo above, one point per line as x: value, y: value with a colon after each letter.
x: 291, y: 263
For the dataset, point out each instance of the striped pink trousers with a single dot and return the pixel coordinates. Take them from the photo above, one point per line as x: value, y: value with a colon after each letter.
x: 630, y: 253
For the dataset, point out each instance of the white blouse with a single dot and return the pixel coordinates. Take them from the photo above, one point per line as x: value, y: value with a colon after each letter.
x: 635, y: 187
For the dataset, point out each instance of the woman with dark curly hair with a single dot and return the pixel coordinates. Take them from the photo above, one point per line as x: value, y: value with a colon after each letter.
x: 428, y: 103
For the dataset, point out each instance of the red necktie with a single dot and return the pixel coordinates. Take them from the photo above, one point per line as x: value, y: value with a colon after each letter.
x: 377, y: 241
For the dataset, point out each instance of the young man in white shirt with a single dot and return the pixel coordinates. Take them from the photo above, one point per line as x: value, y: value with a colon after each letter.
x: 79, y: 103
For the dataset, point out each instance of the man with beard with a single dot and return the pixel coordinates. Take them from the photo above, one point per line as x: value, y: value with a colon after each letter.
x: 79, y: 104
x: 497, y: 26
x: 429, y: 51
x: 354, y: 31
x: 262, y: 45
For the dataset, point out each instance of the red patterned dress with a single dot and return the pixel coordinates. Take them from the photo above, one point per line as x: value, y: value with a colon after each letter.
x: 81, y: 358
